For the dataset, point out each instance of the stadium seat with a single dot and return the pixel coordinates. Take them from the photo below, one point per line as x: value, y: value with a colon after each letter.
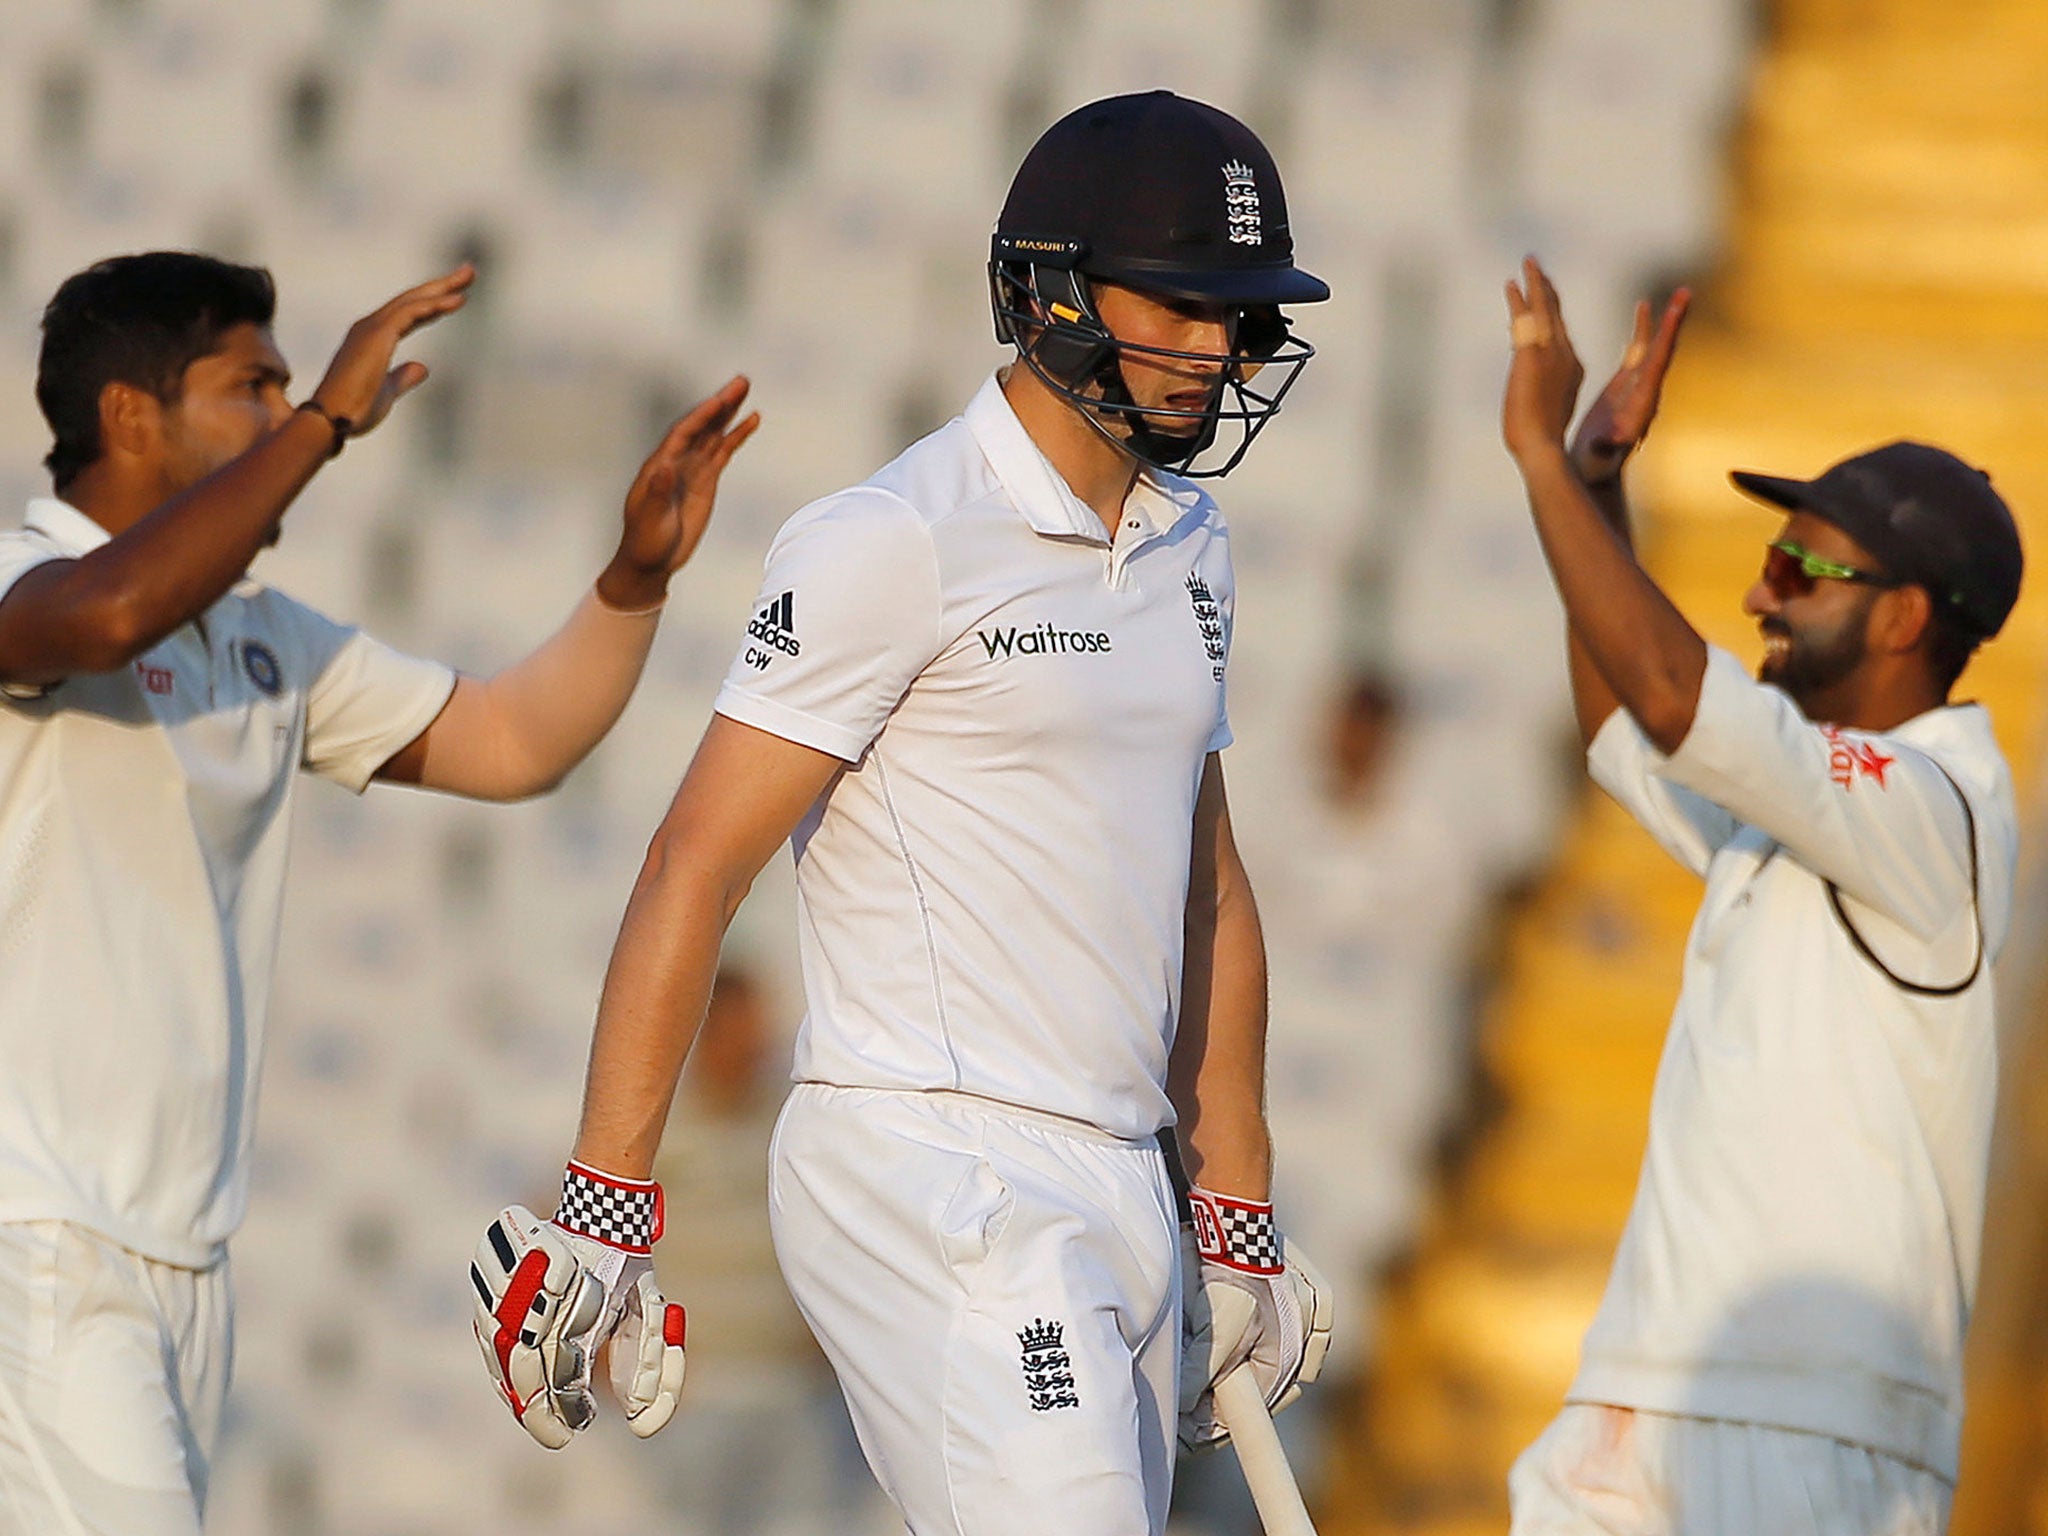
x: 1206, y: 49
x: 607, y: 265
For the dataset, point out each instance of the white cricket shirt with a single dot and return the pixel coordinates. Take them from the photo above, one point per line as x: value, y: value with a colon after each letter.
x: 143, y: 827
x: 1803, y: 1247
x: 991, y: 895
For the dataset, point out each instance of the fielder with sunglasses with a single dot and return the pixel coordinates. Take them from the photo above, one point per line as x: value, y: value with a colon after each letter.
x: 1780, y: 1346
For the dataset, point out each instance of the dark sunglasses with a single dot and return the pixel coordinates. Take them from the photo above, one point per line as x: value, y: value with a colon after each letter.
x: 1790, y: 570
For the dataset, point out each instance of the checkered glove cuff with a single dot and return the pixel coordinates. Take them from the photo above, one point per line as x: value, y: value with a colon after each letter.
x: 620, y: 1213
x: 1238, y: 1234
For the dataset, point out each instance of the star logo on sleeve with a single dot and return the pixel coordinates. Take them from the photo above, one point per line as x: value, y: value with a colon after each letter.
x: 1871, y: 763
x: 1849, y: 760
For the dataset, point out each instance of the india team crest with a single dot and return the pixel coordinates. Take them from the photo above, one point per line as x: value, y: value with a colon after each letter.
x: 1241, y: 203
x: 260, y: 662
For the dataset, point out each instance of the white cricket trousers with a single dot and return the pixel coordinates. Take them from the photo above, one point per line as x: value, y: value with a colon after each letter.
x: 1600, y: 1471
x: 999, y: 1293
x: 113, y: 1370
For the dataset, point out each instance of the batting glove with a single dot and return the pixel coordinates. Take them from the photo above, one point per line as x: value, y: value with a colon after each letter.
x: 551, y: 1294
x: 1247, y: 1296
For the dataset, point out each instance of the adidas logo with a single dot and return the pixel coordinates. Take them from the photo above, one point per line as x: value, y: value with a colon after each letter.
x: 776, y: 625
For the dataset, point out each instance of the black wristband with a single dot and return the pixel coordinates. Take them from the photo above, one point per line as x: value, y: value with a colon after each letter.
x: 341, y: 426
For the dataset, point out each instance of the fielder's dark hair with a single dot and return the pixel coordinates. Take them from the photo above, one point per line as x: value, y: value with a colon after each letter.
x: 1950, y: 645
x: 140, y: 320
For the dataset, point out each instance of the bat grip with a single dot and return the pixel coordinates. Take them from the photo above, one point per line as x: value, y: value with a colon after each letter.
x: 1242, y: 1408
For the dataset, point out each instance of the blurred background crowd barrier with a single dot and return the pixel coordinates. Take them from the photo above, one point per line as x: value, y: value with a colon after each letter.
x: 1472, y: 959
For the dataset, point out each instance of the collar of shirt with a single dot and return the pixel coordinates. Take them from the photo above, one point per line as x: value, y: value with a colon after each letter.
x: 1961, y: 727
x: 1959, y: 724
x: 1042, y: 496
x: 64, y: 525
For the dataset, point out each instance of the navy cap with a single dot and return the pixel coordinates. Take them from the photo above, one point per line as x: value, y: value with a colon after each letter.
x: 1926, y: 516
x: 1160, y: 194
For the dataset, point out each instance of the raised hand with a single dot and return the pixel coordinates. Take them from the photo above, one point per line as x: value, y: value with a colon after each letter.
x: 1620, y: 418
x: 1544, y: 379
x: 361, y: 385
x: 670, y: 501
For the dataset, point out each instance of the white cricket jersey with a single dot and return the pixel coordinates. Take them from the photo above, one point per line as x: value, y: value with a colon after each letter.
x: 143, y: 828
x: 991, y: 895
x: 1803, y: 1247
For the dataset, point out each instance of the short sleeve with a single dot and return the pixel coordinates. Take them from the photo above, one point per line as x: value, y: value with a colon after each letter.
x: 21, y: 552
x: 1866, y: 811
x: 367, y: 701
x: 1625, y: 763
x: 848, y: 616
x: 1221, y: 737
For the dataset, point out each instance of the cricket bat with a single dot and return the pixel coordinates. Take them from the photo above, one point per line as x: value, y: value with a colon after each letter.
x: 1242, y: 1408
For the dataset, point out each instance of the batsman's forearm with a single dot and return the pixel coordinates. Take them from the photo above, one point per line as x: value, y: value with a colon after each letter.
x: 1230, y: 1154
x: 655, y: 993
x: 1220, y: 1096
x: 1636, y: 640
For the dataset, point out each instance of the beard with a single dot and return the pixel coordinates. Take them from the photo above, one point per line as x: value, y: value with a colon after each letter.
x: 1817, y: 661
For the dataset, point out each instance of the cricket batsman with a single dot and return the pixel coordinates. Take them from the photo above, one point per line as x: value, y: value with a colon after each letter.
x: 982, y: 694
x: 1780, y: 1349
x: 156, y: 708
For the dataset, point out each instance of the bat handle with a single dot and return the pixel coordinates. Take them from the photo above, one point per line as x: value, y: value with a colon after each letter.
x: 1242, y: 1407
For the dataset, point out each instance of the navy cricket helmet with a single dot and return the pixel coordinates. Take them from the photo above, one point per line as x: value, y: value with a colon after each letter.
x: 1176, y: 200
